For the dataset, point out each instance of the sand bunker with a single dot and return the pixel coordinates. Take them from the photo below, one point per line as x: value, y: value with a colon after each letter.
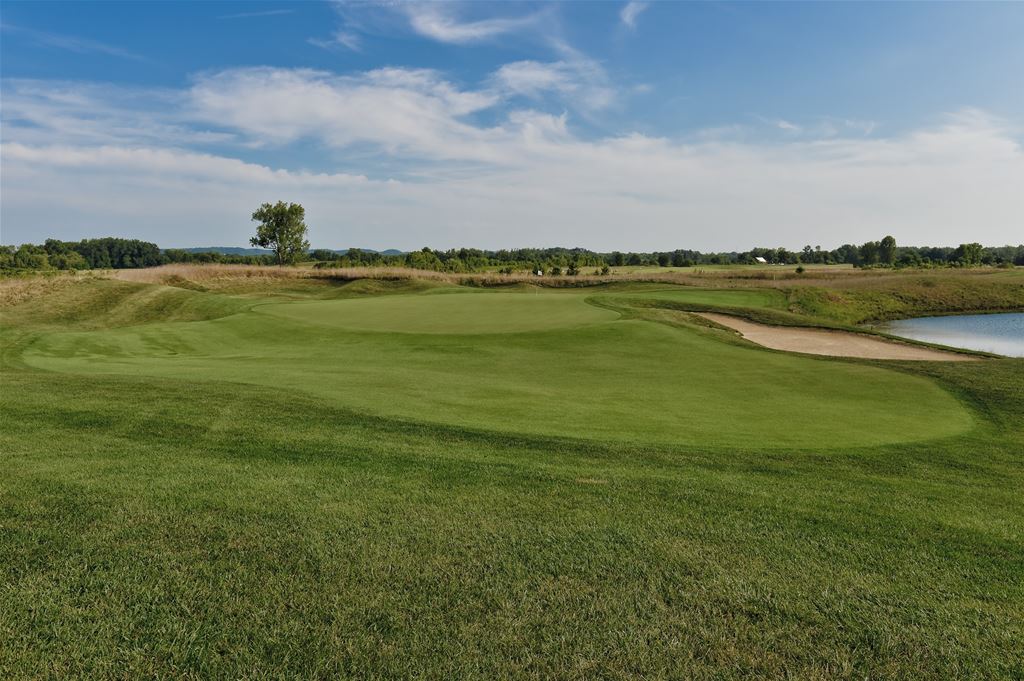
x: 832, y: 343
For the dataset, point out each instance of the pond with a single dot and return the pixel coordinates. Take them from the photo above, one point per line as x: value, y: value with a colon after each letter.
x: 1002, y: 334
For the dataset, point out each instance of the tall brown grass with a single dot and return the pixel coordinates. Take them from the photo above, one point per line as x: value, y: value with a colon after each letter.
x: 25, y: 286
x: 214, y: 272
x: 241, y: 278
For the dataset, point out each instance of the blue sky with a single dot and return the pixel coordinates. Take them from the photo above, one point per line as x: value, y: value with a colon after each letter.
x: 631, y: 126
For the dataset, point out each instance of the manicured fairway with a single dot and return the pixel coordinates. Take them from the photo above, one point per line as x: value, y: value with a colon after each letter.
x: 287, y: 483
x: 587, y: 375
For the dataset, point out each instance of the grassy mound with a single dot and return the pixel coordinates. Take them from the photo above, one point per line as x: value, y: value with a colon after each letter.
x: 97, y: 303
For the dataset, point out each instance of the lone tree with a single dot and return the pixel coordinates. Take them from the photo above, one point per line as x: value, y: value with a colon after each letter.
x: 887, y: 250
x: 281, y: 228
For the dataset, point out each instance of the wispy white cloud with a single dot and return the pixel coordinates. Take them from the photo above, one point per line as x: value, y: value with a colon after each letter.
x: 631, y: 11
x: 865, y: 127
x: 821, y: 127
x: 170, y: 163
x: 42, y: 111
x: 264, y: 13
x: 71, y: 43
x: 340, y: 38
x: 582, y: 83
x: 439, y: 22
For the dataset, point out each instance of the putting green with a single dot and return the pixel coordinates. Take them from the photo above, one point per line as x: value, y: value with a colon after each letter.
x: 448, y: 358
x: 447, y: 312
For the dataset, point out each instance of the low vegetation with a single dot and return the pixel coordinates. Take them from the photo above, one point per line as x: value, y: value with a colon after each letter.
x: 283, y: 232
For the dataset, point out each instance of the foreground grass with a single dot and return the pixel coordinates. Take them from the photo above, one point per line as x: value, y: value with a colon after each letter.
x: 158, y: 526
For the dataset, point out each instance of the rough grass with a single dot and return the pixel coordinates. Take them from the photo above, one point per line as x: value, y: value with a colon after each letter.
x: 913, y: 297
x: 106, y: 303
x: 189, y: 527
x: 836, y: 293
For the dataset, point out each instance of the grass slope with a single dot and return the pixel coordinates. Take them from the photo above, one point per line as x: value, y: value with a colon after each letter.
x: 742, y: 298
x: 913, y: 295
x: 192, y: 527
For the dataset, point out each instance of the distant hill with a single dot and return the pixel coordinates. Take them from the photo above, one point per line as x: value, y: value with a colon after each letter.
x: 226, y: 250
x: 234, y: 250
x: 390, y: 251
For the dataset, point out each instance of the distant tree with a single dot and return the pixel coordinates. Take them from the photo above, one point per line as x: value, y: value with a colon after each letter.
x: 455, y: 265
x: 847, y: 253
x: 425, y: 259
x: 869, y: 253
x: 55, y: 247
x: 282, y: 230
x: 358, y: 257
x: 968, y: 254
x: 68, y: 260
x: 909, y: 258
x: 887, y: 250
x: 323, y: 254
x: 31, y: 257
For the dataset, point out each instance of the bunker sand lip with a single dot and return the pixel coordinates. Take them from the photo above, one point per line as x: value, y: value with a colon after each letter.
x: 831, y: 343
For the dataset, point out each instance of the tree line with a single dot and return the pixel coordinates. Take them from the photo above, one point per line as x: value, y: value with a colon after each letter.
x: 115, y: 253
x: 882, y: 253
x: 107, y: 253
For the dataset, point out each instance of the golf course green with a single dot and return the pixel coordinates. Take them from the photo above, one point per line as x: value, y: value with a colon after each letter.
x: 243, y: 476
x: 526, y: 362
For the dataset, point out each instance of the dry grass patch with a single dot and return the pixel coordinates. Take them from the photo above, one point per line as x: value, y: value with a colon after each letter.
x: 16, y: 290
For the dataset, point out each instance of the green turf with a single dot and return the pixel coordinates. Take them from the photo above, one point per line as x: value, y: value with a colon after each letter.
x: 465, y: 313
x: 202, y: 515
x: 601, y: 378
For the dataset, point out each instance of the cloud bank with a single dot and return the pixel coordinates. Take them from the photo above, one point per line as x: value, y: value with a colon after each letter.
x: 407, y: 157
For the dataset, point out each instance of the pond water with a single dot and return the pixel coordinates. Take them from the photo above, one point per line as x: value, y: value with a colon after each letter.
x: 1002, y: 334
